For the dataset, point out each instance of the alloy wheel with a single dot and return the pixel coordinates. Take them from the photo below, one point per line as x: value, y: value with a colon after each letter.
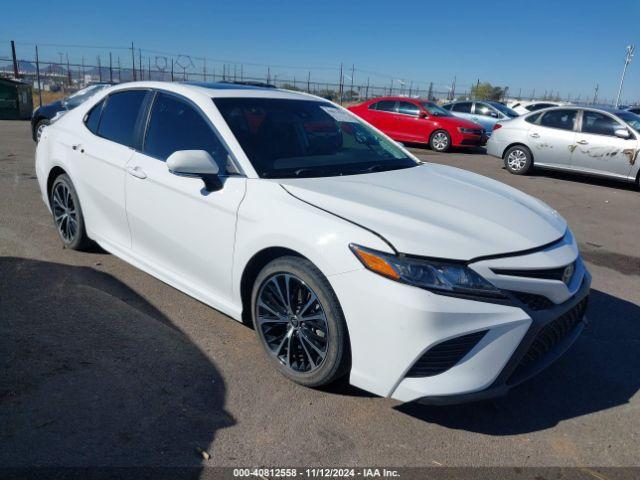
x: 64, y: 212
x: 517, y: 160
x: 440, y: 141
x: 292, y: 322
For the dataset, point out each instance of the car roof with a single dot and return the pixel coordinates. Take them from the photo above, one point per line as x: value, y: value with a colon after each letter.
x: 219, y: 90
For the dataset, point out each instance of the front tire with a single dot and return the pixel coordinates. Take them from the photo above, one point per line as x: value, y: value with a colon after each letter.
x: 67, y: 213
x: 299, y: 322
x: 440, y: 141
x: 518, y: 160
x: 40, y: 126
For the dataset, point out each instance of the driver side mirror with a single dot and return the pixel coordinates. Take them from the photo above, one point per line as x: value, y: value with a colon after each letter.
x: 622, y: 133
x: 423, y: 114
x: 195, y: 163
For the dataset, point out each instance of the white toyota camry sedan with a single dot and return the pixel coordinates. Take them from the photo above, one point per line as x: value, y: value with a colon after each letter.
x: 347, y: 254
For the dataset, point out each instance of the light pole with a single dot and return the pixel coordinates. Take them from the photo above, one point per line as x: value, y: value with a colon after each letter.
x: 627, y: 61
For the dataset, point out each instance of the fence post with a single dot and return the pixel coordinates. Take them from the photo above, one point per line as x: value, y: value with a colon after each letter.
x: 38, y: 77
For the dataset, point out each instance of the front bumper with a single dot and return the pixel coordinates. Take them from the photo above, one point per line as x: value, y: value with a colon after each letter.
x: 392, y: 326
x: 470, y: 140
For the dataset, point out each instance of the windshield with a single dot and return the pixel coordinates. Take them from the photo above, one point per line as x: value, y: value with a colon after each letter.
x: 504, y: 109
x: 286, y: 138
x: 435, y: 110
x: 81, y: 95
x: 630, y: 119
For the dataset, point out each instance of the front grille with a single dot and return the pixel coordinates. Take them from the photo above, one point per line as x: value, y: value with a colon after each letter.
x: 551, y: 335
x: 443, y: 356
x: 533, y: 301
x: 546, y: 274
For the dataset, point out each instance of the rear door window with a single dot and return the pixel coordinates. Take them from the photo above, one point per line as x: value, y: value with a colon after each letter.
x: 561, y: 119
x: 462, y: 107
x: 385, y: 106
x: 120, y: 116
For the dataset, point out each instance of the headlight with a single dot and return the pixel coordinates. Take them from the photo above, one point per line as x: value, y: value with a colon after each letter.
x: 438, y: 276
x: 468, y: 130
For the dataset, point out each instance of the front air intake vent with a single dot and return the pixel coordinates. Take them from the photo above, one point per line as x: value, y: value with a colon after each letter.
x: 533, y: 301
x: 443, y: 356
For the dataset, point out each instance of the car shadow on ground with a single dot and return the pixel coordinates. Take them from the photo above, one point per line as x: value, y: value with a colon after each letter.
x: 582, y: 178
x: 92, y: 374
x: 600, y: 371
x: 462, y: 150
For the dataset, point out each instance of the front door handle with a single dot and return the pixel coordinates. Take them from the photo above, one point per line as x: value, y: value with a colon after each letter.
x: 535, y: 135
x: 137, y: 172
x: 582, y: 142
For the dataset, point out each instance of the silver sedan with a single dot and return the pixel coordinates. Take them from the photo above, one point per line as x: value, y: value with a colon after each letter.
x: 579, y: 139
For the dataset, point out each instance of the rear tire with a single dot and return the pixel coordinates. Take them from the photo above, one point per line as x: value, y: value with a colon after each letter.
x: 440, y: 141
x: 67, y: 213
x: 518, y: 160
x: 299, y: 322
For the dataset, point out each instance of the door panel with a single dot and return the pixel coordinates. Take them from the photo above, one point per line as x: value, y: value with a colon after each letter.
x: 112, y: 130
x: 177, y: 225
x: 599, y: 150
x: 482, y: 116
x: 100, y: 166
x: 410, y: 125
x: 553, y: 140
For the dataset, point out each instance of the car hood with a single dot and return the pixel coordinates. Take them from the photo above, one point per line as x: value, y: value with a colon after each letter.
x: 436, y: 211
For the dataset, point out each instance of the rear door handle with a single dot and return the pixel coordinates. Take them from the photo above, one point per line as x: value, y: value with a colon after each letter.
x: 582, y: 142
x: 137, y: 172
x: 535, y: 135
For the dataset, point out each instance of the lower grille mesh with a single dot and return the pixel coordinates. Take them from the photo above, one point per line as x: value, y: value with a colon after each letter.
x: 550, y: 335
x: 443, y: 356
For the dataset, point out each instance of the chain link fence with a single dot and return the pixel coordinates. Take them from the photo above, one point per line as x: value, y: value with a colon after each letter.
x: 33, y: 64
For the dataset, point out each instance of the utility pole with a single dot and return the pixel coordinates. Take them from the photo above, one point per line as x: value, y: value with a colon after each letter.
x: 68, y: 70
x: 140, y: 67
x: 340, y: 87
x: 110, y: 68
x: 430, y: 92
x: 627, y: 60
x: 16, y: 74
x: 38, y: 75
x: 133, y: 62
x: 595, y: 95
x: 353, y: 69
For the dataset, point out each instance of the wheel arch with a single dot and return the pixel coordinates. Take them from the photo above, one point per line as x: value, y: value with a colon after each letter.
x: 251, y: 270
x: 54, y: 173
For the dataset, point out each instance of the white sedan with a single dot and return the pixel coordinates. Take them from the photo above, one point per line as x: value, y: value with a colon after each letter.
x: 348, y: 255
x: 595, y: 141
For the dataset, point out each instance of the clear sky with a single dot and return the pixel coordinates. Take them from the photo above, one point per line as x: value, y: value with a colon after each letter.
x: 566, y: 46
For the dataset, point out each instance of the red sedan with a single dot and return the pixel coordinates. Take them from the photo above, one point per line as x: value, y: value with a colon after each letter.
x: 420, y: 121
